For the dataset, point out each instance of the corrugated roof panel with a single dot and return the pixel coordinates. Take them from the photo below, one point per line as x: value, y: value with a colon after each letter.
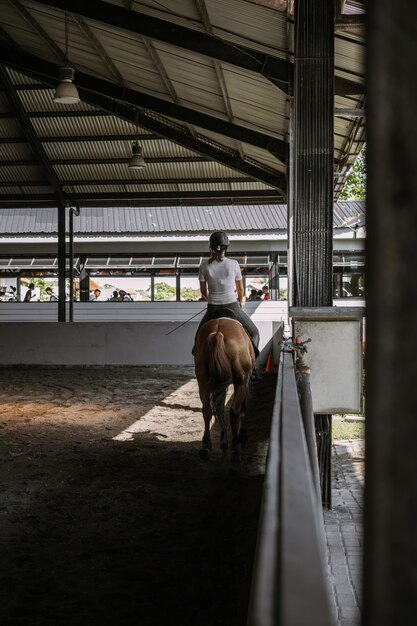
x: 252, y: 218
x: 21, y: 173
x: 254, y: 101
x: 193, y: 98
x: 80, y: 52
x: 18, y: 78
x: 189, y: 170
x: 163, y: 220
x: 72, y: 126
x: 4, y: 103
x: 177, y: 60
x: 348, y: 102
x: 41, y: 100
x: 348, y: 213
x: 165, y: 148
x: 130, y: 56
x: 94, y: 172
x: 92, y: 189
x: 88, y: 150
x: 253, y: 89
x: 181, y: 13
x: 19, y: 29
x: 10, y: 189
x: 134, y: 221
x: 16, y: 152
x: 204, y: 186
x: 217, y: 138
x: 349, y: 55
x: 258, y: 24
x: 151, y: 188
x: 35, y: 191
x: 265, y: 157
x: 251, y: 185
x: 9, y: 127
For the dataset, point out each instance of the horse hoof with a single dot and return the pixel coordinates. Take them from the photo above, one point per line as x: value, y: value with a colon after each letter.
x: 204, y: 455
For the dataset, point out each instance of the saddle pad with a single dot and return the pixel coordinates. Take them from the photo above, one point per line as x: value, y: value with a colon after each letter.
x: 231, y: 319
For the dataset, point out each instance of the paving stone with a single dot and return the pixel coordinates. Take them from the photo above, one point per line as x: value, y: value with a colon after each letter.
x: 344, y: 533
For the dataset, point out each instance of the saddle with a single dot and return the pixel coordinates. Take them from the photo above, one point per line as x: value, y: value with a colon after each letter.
x: 223, y: 313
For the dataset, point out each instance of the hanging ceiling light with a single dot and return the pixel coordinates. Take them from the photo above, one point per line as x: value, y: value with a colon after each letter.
x: 66, y: 92
x: 137, y: 162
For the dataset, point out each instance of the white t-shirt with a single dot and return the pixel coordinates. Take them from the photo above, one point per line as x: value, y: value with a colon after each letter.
x: 220, y: 279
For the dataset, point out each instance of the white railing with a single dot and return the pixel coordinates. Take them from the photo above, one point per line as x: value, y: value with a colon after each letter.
x: 132, y: 311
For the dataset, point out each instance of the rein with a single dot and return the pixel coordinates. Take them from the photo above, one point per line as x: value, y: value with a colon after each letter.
x: 186, y: 322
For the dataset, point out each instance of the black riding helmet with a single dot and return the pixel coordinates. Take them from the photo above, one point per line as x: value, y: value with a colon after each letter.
x: 218, y: 239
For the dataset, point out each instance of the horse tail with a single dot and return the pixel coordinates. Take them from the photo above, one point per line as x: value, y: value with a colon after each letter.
x: 220, y: 368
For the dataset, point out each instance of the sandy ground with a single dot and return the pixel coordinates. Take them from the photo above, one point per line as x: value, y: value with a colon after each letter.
x: 106, y: 514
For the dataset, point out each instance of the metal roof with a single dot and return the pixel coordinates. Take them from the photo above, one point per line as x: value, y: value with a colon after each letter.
x: 168, y: 220
x: 202, y: 84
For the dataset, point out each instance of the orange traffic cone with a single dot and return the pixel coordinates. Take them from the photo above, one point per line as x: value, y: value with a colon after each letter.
x: 269, y: 365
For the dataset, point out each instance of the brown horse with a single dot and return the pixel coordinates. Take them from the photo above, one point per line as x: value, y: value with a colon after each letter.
x: 223, y: 355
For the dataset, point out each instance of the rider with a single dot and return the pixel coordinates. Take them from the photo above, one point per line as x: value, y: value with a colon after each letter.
x: 219, y: 278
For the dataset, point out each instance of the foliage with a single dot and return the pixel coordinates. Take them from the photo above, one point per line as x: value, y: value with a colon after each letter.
x: 163, y: 291
x: 188, y: 293
x: 355, y: 187
x: 39, y: 282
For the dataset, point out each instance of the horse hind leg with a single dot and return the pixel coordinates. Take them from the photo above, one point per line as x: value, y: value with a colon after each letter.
x: 207, y: 415
x: 237, y: 415
x: 218, y: 398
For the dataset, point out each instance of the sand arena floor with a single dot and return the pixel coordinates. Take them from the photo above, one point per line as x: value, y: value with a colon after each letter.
x: 107, y: 515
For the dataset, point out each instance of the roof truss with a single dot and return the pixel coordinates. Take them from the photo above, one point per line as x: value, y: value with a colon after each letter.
x: 48, y: 72
x: 273, y: 68
x: 30, y: 134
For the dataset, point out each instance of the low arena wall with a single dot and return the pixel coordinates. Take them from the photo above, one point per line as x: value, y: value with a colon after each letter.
x: 154, y: 337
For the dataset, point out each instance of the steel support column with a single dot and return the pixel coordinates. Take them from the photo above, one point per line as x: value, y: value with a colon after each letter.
x: 312, y: 163
x: 62, y: 258
x: 311, y: 201
x: 73, y: 211
x: 390, y: 580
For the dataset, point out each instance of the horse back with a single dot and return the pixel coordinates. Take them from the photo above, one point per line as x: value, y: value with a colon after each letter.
x: 224, y: 339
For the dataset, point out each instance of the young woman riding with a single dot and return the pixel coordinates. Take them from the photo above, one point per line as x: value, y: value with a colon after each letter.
x: 220, y: 282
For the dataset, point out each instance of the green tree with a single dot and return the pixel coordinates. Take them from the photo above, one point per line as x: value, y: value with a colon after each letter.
x: 188, y: 293
x: 163, y: 291
x: 39, y: 282
x: 355, y: 186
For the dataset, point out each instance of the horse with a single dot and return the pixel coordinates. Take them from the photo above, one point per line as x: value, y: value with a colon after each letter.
x: 224, y: 355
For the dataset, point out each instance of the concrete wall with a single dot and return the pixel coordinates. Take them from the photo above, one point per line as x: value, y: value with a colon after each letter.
x: 146, y: 341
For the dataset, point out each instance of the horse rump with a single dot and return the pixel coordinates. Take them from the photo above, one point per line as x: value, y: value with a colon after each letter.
x: 219, y: 364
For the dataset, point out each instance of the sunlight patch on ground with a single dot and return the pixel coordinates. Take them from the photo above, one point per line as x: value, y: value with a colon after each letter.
x: 171, y: 420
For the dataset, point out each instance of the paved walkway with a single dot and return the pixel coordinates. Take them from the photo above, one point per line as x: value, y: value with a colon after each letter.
x: 344, y: 533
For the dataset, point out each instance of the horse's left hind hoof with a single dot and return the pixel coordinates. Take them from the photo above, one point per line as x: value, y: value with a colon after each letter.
x: 204, y: 455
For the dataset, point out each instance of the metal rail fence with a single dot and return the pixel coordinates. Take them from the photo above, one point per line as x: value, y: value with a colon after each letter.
x: 290, y: 583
